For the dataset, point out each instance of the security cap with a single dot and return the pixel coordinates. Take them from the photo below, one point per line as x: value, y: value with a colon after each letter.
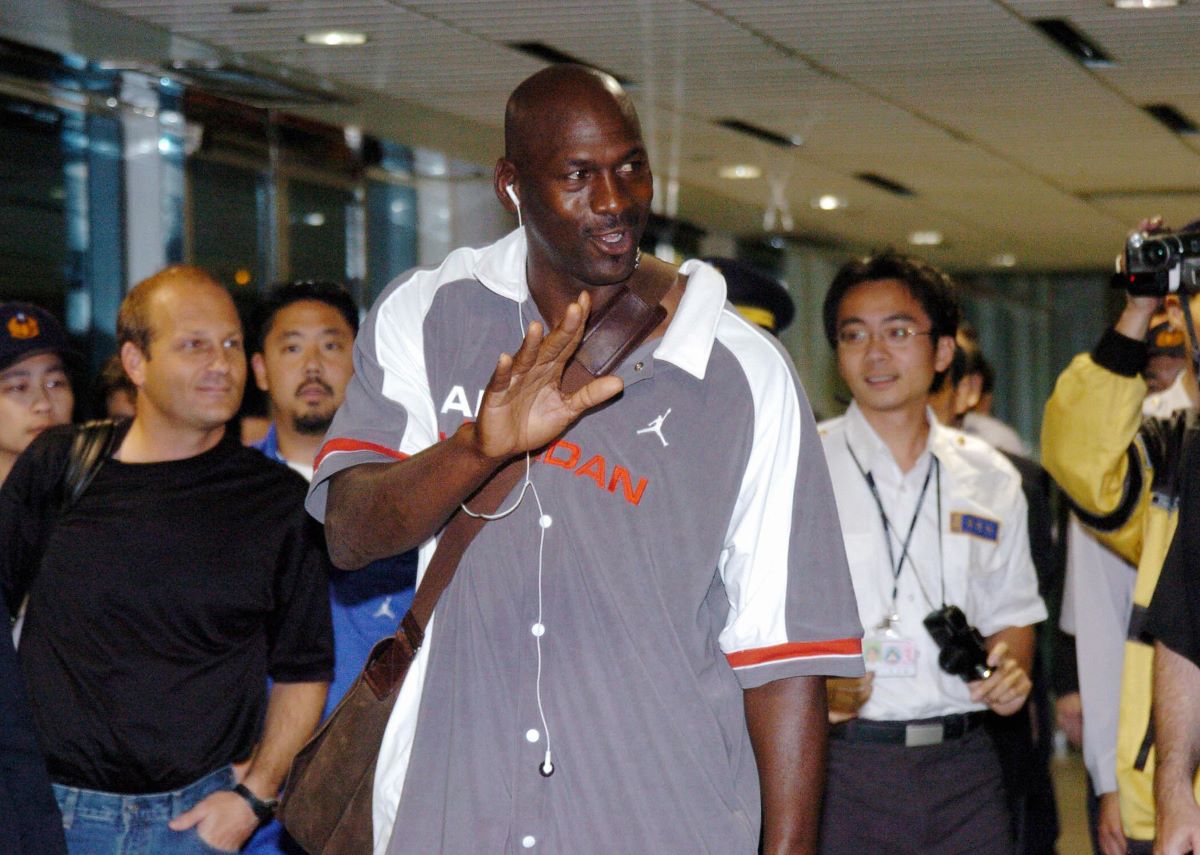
x: 759, y: 298
x: 27, y: 330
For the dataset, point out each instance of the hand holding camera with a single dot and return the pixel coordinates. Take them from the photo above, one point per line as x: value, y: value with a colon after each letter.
x: 994, y: 677
x: 1008, y: 686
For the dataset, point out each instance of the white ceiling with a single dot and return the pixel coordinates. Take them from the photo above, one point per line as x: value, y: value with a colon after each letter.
x: 1010, y: 145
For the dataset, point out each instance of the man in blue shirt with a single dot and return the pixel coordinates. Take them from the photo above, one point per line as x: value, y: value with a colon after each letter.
x: 304, y: 336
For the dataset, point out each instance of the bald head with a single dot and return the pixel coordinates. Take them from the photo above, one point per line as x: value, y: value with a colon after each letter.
x: 134, y: 322
x: 543, y: 102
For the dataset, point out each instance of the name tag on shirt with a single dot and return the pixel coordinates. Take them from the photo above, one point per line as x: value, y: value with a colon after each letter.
x: 890, y: 657
x: 980, y: 527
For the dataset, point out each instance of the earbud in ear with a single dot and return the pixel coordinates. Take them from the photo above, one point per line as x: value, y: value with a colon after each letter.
x: 512, y: 194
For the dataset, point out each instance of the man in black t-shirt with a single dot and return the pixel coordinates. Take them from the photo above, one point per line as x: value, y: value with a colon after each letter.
x: 163, y: 599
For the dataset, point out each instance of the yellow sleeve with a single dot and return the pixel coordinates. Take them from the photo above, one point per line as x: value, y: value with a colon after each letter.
x: 1088, y: 429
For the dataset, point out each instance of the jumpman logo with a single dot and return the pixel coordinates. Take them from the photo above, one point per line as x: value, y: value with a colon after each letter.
x: 385, y: 610
x: 655, y: 427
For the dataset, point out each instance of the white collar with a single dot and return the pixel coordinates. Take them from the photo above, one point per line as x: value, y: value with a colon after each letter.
x: 868, y: 446
x: 687, y: 342
x: 501, y: 266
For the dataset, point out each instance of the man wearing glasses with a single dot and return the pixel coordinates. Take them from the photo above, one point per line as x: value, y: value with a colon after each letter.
x: 932, y: 519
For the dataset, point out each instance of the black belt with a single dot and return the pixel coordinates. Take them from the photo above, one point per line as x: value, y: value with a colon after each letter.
x: 922, y: 731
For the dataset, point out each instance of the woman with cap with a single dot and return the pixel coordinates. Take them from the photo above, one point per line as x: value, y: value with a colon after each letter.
x: 35, y: 391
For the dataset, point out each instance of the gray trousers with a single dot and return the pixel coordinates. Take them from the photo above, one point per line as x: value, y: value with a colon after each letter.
x: 945, y: 799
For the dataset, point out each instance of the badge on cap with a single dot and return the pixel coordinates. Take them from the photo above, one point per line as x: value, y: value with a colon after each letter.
x: 980, y: 527
x: 22, y: 326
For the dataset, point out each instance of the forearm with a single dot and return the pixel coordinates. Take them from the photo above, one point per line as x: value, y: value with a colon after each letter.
x: 378, y: 510
x: 1176, y: 725
x: 1020, y: 641
x: 787, y: 724
x: 1135, y: 318
x: 293, y: 711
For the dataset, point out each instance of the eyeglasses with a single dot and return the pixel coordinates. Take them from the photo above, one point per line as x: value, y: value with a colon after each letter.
x: 894, y: 338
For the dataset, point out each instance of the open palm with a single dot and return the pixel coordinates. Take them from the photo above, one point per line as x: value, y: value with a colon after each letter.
x: 524, y: 406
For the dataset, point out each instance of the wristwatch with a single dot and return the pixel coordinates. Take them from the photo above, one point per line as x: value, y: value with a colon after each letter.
x: 264, y: 810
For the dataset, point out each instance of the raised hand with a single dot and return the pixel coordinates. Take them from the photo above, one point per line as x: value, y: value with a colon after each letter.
x: 524, y: 406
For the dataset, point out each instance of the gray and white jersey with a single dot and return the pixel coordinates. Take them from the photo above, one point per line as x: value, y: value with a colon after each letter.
x: 693, y: 550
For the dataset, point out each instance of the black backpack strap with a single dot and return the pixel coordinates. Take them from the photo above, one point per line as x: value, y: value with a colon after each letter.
x: 92, y: 445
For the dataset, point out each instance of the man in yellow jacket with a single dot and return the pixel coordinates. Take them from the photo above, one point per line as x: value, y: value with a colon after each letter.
x: 1122, y: 473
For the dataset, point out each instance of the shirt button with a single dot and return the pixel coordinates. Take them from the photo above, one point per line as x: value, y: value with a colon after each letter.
x: 528, y: 841
x: 532, y: 735
x: 538, y: 629
x: 545, y: 521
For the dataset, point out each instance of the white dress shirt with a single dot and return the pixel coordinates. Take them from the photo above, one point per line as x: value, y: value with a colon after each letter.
x: 988, y: 574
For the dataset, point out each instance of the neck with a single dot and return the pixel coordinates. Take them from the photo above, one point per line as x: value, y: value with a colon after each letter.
x: 942, y: 404
x: 296, y: 447
x: 6, y: 464
x: 150, y: 440
x: 552, y: 296
x: 904, y: 431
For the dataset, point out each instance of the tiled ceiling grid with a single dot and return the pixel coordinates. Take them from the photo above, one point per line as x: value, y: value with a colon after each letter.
x: 1010, y: 144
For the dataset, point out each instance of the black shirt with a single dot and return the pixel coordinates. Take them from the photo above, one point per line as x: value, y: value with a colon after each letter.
x: 1174, y: 615
x: 161, y: 603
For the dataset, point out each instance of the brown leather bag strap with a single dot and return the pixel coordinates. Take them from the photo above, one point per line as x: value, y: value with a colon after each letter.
x: 612, y: 334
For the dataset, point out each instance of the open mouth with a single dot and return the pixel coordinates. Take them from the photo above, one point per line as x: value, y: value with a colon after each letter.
x: 618, y: 242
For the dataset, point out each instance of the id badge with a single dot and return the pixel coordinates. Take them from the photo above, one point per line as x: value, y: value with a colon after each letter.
x: 889, y: 655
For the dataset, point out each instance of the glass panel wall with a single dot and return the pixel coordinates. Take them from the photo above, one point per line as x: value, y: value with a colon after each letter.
x: 317, y: 234
x: 33, y: 244
x: 226, y: 207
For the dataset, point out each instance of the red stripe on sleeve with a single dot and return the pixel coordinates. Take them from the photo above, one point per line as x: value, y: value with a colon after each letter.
x: 355, y: 445
x: 795, y: 650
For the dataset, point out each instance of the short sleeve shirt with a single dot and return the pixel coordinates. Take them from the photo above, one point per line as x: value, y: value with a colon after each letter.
x: 159, y: 604
x: 689, y: 550
x: 980, y: 562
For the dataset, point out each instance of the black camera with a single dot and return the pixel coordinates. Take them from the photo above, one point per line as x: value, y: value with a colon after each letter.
x: 1160, y: 264
x: 962, y: 651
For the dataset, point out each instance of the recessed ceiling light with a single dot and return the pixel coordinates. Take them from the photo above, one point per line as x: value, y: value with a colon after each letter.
x: 1004, y: 259
x: 1146, y: 4
x: 828, y: 202
x: 740, y: 170
x: 335, y: 38
x: 314, y: 218
x: 925, y: 238
x: 1064, y: 34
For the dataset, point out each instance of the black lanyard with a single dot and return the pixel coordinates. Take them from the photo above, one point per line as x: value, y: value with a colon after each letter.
x: 897, y: 566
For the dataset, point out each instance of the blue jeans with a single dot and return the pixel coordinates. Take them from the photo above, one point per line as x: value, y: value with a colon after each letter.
x: 99, y: 823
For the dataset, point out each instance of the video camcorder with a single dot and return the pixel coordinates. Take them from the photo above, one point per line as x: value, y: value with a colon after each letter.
x: 1160, y: 264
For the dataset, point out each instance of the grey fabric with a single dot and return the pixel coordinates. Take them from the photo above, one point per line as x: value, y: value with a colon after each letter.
x: 647, y: 599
